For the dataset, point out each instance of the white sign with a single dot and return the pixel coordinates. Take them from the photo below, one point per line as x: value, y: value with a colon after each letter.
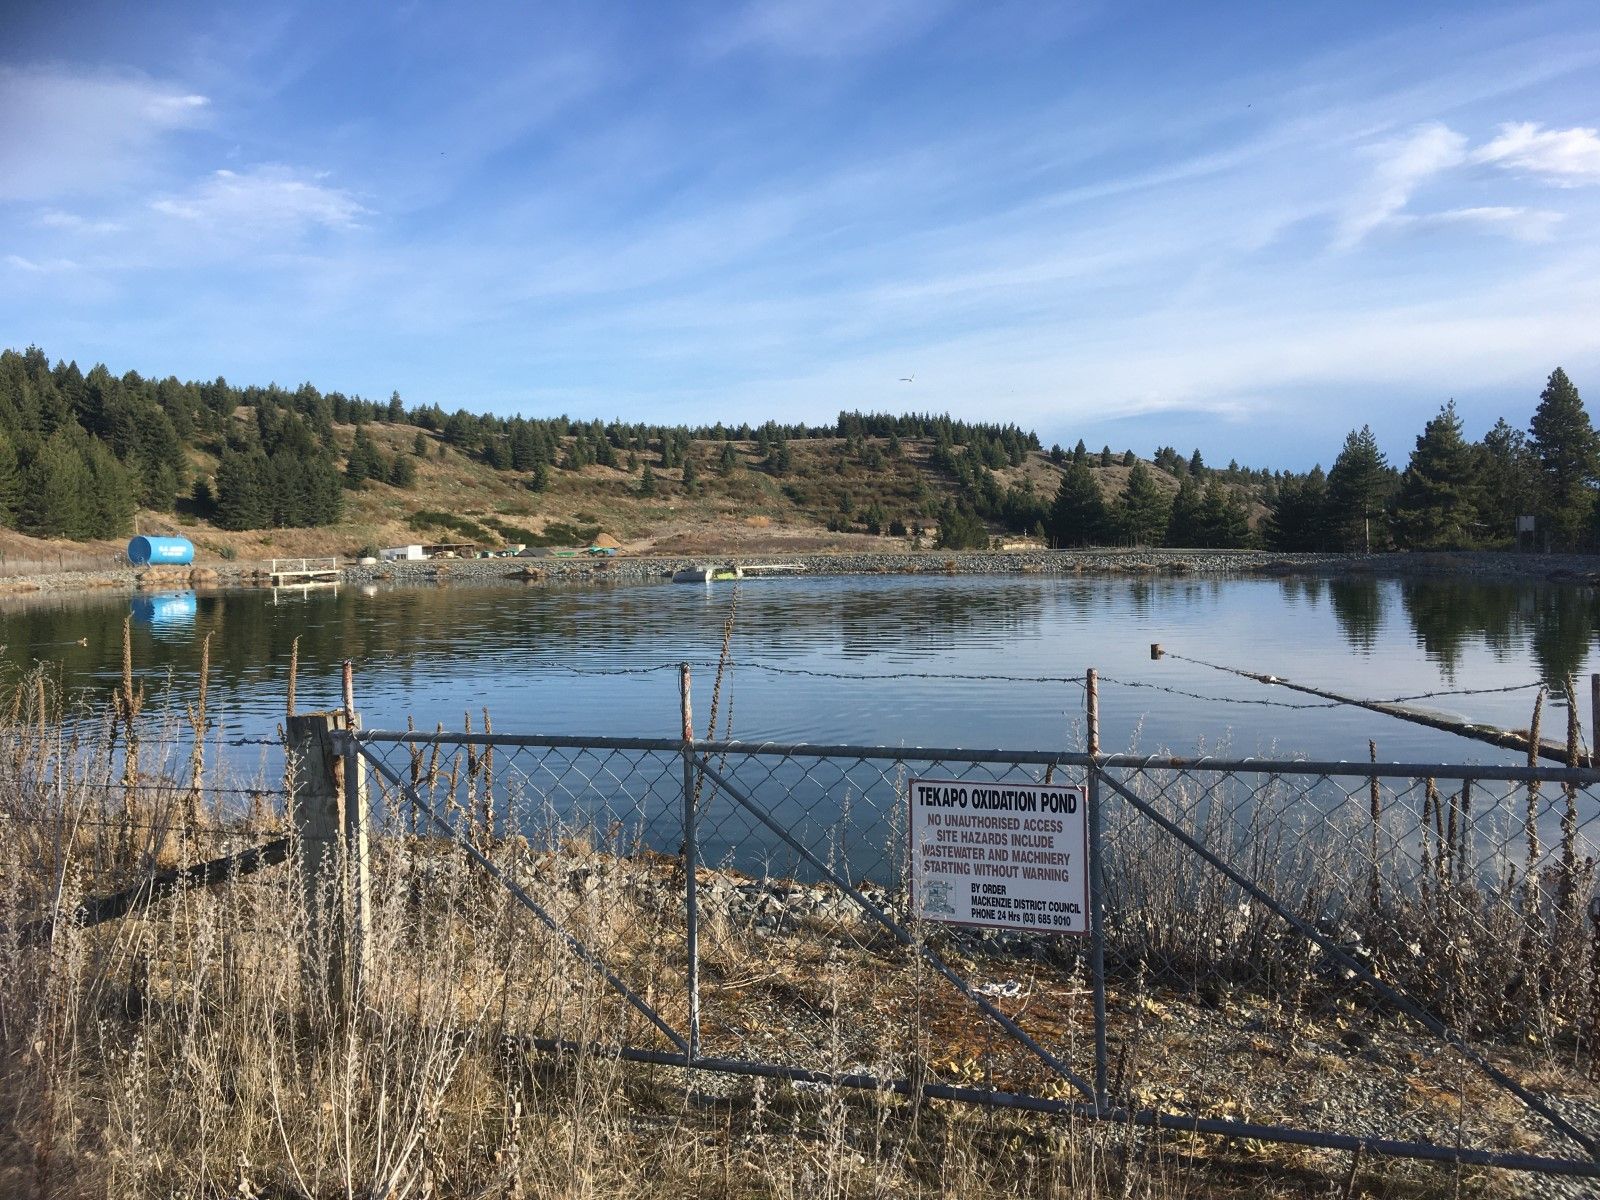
x: 1002, y: 855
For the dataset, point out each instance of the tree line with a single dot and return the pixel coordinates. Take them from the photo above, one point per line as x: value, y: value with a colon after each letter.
x: 1454, y: 494
x: 80, y: 452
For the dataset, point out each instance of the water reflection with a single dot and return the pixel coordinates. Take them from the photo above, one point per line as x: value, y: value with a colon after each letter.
x: 170, y: 613
x: 1358, y: 604
x: 596, y: 660
x: 1556, y: 622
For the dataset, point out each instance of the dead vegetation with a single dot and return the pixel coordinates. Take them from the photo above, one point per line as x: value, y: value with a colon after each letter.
x: 197, y: 1047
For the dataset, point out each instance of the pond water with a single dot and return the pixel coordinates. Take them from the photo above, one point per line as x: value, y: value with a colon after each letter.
x: 596, y: 660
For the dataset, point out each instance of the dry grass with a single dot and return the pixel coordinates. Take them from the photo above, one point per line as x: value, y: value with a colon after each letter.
x: 200, y: 1047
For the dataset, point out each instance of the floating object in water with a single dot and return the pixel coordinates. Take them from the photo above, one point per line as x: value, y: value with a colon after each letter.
x: 708, y: 574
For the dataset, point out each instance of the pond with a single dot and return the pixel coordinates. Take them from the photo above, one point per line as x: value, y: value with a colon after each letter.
x: 970, y: 661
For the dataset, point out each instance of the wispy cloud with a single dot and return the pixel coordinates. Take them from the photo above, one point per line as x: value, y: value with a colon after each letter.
x: 74, y: 223
x: 40, y: 267
x: 824, y: 28
x: 265, y: 201
x: 1403, y: 166
x: 1564, y: 157
x: 1514, y: 221
x: 70, y: 132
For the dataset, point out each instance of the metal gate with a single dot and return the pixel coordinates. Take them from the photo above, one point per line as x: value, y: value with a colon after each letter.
x: 1391, y: 958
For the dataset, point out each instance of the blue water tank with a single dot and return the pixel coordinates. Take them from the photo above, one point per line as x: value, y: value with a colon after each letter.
x: 147, y: 551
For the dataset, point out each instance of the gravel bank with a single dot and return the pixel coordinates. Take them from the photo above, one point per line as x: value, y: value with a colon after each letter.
x: 1569, y: 568
x: 1208, y: 563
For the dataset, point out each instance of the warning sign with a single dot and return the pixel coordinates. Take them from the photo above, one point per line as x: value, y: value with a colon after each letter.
x: 1009, y: 856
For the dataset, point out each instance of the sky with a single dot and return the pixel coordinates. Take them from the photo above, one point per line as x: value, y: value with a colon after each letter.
x: 1246, y: 228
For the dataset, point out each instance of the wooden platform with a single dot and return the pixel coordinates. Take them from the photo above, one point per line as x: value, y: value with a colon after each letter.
x: 302, y: 571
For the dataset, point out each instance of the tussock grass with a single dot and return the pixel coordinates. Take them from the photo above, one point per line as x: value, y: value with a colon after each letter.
x: 201, y: 1048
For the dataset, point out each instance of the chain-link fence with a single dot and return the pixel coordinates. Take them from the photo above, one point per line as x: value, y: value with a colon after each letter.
x: 1399, y: 958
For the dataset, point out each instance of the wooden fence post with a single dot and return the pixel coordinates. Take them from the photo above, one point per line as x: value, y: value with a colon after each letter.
x: 329, y: 812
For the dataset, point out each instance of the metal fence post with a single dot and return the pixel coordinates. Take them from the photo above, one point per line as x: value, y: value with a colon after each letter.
x: 1097, y: 936
x: 691, y: 887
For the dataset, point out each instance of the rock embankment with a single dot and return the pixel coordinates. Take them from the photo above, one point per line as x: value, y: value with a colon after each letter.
x: 1569, y: 568
x: 1209, y: 563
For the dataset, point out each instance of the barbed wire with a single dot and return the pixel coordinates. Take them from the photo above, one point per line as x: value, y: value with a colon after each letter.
x: 1257, y: 701
x: 164, y: 786
x: 977, y: 677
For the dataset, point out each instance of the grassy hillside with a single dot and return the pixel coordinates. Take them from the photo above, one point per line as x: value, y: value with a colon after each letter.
x: 822, y: 503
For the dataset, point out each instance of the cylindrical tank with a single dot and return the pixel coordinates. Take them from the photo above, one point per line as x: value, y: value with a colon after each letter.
x: 145, y: 551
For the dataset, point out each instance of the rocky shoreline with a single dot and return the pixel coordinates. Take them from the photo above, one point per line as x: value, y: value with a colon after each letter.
x: 1480, y: 565
x: 1201, y: 563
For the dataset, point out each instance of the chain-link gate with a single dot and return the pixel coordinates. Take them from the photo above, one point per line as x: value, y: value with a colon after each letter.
x: 1392, y: 958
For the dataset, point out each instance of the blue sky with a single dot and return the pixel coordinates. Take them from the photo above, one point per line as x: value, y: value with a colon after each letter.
x: 1240, y: 227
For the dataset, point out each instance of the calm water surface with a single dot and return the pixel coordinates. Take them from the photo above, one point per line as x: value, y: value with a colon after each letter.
x: 437, y: 653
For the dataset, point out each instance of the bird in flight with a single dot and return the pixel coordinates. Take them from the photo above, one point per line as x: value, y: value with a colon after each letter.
x: 908, y: 379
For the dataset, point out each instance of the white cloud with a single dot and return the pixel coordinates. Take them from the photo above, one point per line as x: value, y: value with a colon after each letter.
x: 824, y: 28
x: 40, y: 267
x: 271, y: 200
x: 73, y: 223
x: 76, y: 133
x: 1564, y: 157
x: 1403, y: 166
x: 1523, y: 224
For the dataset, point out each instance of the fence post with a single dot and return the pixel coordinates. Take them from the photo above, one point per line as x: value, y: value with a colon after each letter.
x: 1594, y: 718
x: 691, y: 885
x: 1097, y: 935
x: 328, y: 811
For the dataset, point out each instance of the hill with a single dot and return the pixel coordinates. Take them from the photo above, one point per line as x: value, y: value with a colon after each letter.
x: 258, y: 472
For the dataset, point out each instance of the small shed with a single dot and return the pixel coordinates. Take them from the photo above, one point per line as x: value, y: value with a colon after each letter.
x: 393, y: 553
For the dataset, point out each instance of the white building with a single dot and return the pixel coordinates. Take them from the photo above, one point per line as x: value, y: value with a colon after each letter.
x: 396, y: 552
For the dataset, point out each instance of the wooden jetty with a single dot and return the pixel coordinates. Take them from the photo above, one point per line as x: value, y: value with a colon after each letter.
x: 305, y: 572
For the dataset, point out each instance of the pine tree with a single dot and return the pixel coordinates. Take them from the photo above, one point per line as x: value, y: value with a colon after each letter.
x: 1078, y: 513
x: 727, y: 461
x: 647, y: 482
x: 1080, y: 452
x: 419, y: 444
x: 1105, y: 456
x: 10, y: 484
x: 539, y: 481
x: 112, y: 500
x: 241, y: 496
x: 1437, y: 506
x: 1298, y: 516
x: 1358, y: 487
x: 358, y: 468
x: 960, y: 529
x: 689, y: 475
x: 203, y: 497
x: 58, y: 488
x: 1224, y: 521
x: 1509, y: 473
x: 1564, y: 443
x: 1185, y: 525
x: 1142, y: 509
x: 403, y: 471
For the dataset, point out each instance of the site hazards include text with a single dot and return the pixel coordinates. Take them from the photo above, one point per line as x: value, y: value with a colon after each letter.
x: 1008, y: 856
